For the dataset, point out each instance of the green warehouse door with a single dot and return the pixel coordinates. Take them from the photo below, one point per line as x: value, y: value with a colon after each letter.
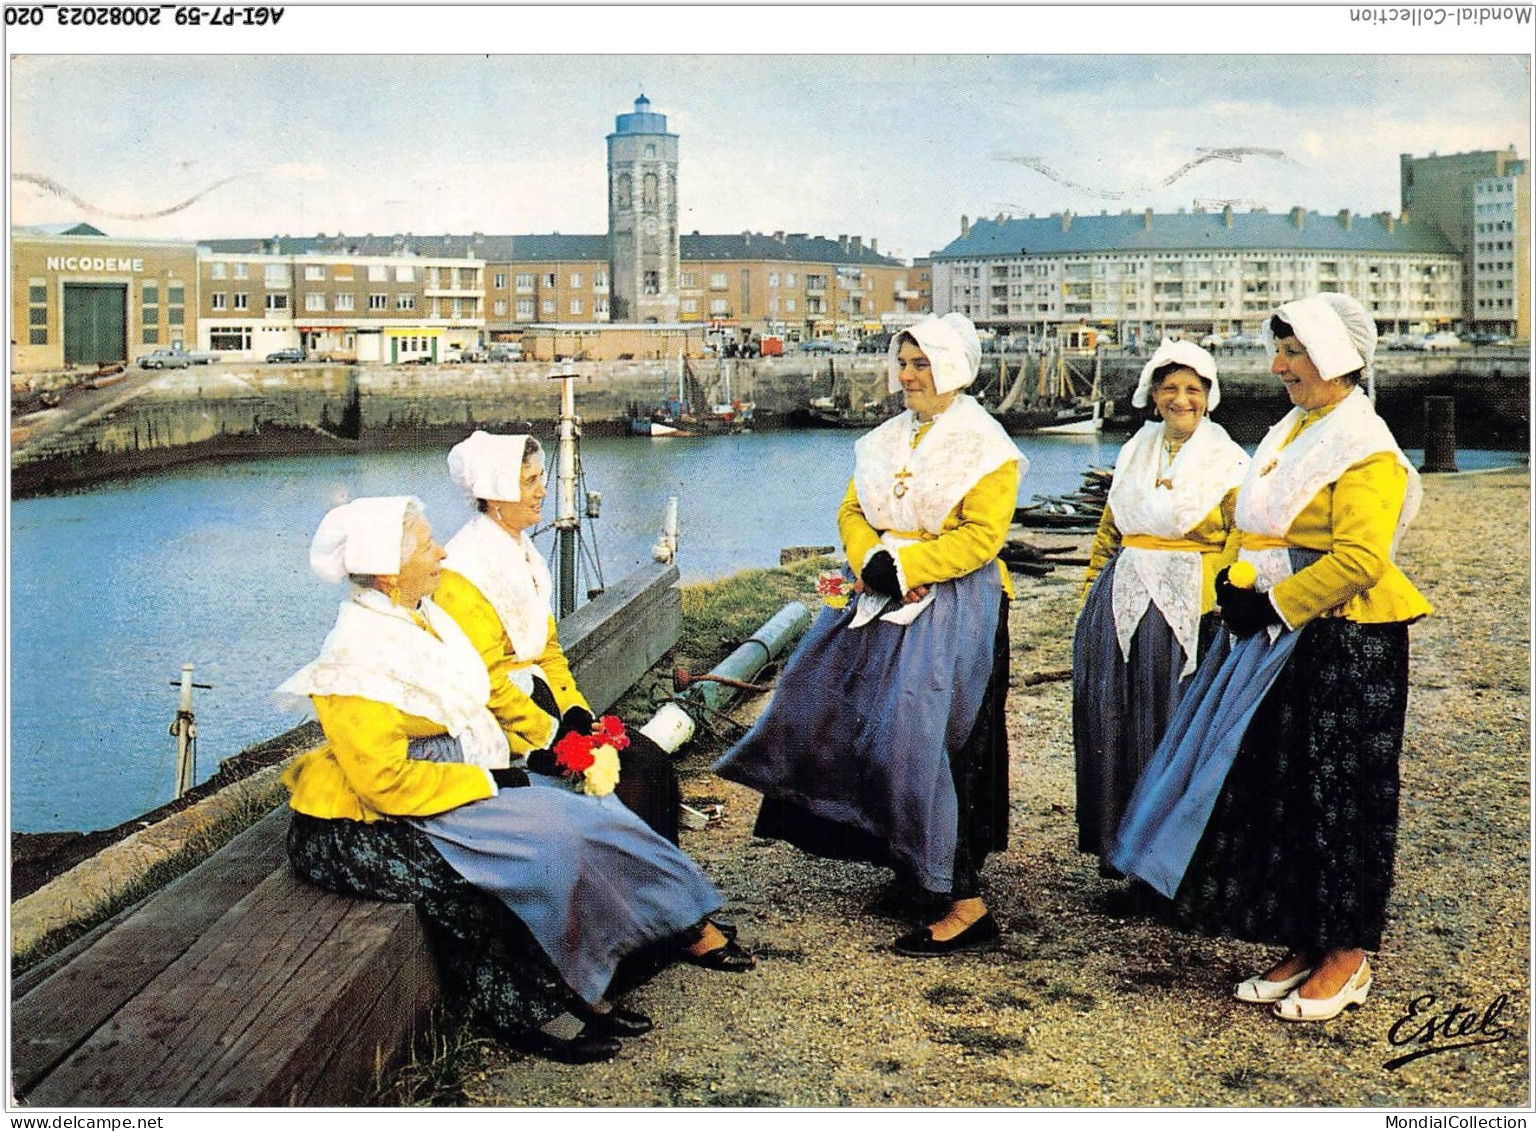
x: 95, y: 323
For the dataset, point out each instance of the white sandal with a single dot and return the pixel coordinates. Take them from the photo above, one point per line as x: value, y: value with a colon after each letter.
x: 1294, y: 1007
x: 1260, y: 991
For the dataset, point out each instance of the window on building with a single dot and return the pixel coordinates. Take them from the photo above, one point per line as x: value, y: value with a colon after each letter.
x: 314, y: 273
x: 218, y: 301
x: 575, y: 306
x: 37, y: 313
x: 150, y: 316
x: 689, y: 305
x: 314, y: 301
x: 524, y: 283
x: 346, y: 301
x: 242, y: 301
x: 276, y: 275
x: 717, y: 280
x: 277, y: 301
x: 499, y: 280
x: 37, y: 316
x: 37, y: 292
x: 404, y: 273
x: 719, y: 306
x: 789, y: 306
x: 229, y: 338
x: 176, y: 294
x: 524, y: 309
x: 36, y: 337
x: 151, y: 294
x: 547, y: 306
x: 599, y: 279
x: 500, y: 307
x: 378, y: 273
x: 600, y: 306
x: 377, y: 301
x: 549, y: 278
x: 789, y: 278
x: 342, y: 272
x: 650, y: 150
x: 241, y: 271
x: 176, y: 315
x: 689, y: 280
x: 150, y: 336
x: 773, y: 278
x: 651, y: 282
x: 405, y: 302
x: 575, y: 278
x: 217, y: 270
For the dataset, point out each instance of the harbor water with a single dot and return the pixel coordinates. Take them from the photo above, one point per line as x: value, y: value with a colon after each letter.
x: 113, y: 589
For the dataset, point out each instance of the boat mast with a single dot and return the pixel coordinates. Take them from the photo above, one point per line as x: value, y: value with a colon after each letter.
x: 566, y: 521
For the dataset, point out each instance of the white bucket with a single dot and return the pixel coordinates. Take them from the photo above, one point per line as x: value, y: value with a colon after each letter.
x: 669, y: 728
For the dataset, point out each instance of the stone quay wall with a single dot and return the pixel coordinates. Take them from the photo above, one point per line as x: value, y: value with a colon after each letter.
x: 230, y: 411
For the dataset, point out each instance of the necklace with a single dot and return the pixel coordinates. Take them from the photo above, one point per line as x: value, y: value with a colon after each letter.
x: 900, y: 490
x: 1169, y: 451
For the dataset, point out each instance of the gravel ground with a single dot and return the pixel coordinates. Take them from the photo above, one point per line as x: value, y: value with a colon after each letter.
x: 1084, y: 1004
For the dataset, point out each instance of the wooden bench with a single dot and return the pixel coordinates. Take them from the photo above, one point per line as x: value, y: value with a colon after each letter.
x: 237, y: 985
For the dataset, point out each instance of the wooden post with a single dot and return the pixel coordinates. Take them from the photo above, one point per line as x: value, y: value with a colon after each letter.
x: 1439, y: 434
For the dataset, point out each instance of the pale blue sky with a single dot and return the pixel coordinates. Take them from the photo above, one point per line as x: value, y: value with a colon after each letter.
x: 895, y: 147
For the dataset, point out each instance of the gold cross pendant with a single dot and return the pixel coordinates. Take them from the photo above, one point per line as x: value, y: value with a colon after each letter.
x: 900, y: 489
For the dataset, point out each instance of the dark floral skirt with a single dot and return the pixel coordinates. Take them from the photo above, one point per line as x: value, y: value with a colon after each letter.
x: 490, y: 965
x: 1299, y: 848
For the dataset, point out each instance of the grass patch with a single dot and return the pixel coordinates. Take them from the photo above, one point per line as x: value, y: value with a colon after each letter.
x: 975, y: 1039
x: 945, y: 995
x: 249, y: 806
x: 442, y: 1056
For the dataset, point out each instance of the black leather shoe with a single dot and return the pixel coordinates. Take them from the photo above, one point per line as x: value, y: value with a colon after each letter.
x: 905, y: 903
x: 980, y: 935
x: 619, y: 1022
x: 585, y: 1047
x: 729, y: 957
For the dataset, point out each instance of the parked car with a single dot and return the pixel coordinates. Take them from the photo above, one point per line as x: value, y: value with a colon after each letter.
x: 1486, y: 338
x: 826, y: 345
x: 165, y: 359
x: 1441, y: 340
x: 879, y: 343
x: 202, y: 357
x: 1397, y: 342
x: 505, y: 351
x: 291, y: 354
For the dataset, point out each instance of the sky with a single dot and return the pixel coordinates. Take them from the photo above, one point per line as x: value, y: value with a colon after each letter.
x: 143, y: 139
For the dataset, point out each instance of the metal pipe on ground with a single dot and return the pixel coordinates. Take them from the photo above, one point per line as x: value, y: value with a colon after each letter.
x: 673, y: 724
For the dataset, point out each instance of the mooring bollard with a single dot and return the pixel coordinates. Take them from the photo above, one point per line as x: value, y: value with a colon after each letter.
x: 1439, y: 434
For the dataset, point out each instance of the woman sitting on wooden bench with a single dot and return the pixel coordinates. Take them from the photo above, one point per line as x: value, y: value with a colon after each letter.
x: 531, y: 896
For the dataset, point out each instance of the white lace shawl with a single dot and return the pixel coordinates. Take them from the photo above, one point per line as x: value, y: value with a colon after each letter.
x: 1208, y: 465
x: 376, y: 651
x: 512, y: 575
x: 963, y: 445
x: 1282, y: 480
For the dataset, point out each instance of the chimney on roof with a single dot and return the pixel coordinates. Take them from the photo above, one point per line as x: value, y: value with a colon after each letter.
x: 965, y: 226
x: 842, y: 242
x: 1387, y: 219
x: 1146, y: 220
x: 1345, y: 218
x: 874, y: 246
x: 1226, y: 216
x: 746, y: 239
x: 857, y: 244
x: 779, y: 236
x: 1066, y: 219
x: 1299, y: 218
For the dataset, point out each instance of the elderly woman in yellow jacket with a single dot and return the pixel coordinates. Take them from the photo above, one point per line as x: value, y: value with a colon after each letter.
x: 496, y: 586
x: 885, y: 739
x: 1151, y: 586
x: 1269, y: 811
x: 532, y: 896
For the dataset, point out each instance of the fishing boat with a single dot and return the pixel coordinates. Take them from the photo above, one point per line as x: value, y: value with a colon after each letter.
x: 1056, y: 392
x: 689, y: 412
x: 850, y: 405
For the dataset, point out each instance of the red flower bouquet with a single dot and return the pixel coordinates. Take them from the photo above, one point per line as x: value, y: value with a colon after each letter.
x: 593, y: 759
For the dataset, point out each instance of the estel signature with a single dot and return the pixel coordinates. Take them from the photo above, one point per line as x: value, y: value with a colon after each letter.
x: 1433, y: 1029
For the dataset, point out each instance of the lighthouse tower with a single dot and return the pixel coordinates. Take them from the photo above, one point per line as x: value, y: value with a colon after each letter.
x: 642, y: 217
